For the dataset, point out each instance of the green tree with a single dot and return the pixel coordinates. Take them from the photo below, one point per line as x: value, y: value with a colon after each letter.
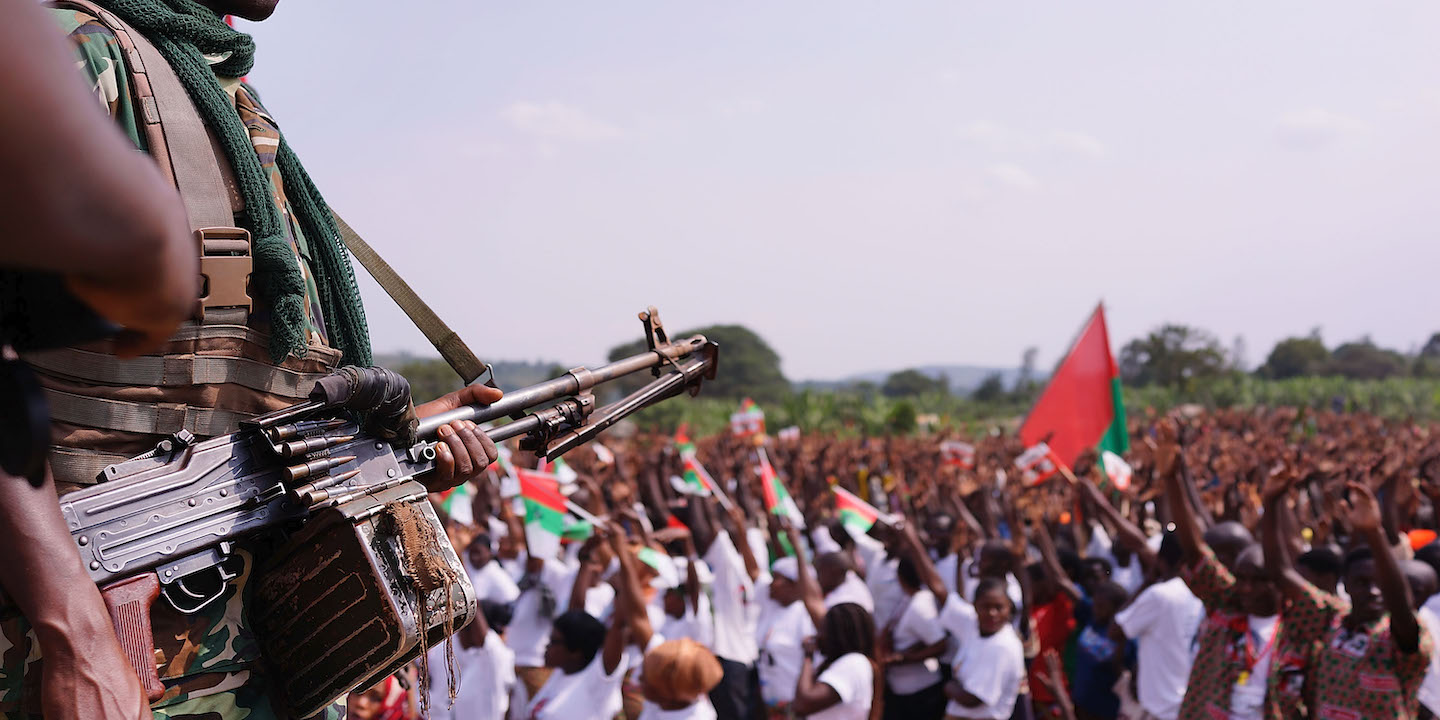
x: 748, y: 366
x: 1296, y: 357
x: 1363, y: 360
x: 1427, y: 363
x: 429, y: 377
x: 990, y: 390
x: 909, y: 383
x: 901, y: 418
x: 1171, y: 355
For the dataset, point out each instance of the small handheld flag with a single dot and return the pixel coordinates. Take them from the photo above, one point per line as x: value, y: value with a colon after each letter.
x: 1116, y: 469
x: 777, y: 498
x: 748, y: 421
x: 958, y: 454
x: 1036, y: 464
x: 855, y: 513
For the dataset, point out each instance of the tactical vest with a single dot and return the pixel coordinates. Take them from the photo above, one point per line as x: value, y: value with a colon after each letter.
x: 216, y: 370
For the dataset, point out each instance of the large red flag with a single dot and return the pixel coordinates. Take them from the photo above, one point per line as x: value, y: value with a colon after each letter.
x: 1081, y: 404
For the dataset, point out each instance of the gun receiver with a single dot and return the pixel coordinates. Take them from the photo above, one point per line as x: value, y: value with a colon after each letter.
x: 176, y: 510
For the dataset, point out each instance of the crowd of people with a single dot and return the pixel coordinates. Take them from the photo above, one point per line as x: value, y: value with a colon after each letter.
x: 1258, y: 564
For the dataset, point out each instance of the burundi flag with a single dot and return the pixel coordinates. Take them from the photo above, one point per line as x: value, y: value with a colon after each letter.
x: 1036, y: 464
x: 748, y: 421
x: 777, y: 498
x: 1116, y: 469
x: 696, y: 478
x: 855, y: 513
x: 683, y: 445
x: 458, y: 503
x: 577, y: 531
x: 546, y: 515
x: 1081, y: 405
x: 958, y: 454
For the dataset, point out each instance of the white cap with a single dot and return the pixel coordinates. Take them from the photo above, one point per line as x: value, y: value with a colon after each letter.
x: 786, y: 567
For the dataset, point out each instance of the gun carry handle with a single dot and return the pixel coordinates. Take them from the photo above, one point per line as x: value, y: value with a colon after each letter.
x: 129, y: 602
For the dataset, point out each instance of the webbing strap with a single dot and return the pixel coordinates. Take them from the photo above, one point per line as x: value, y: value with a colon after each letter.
x: 450, y: 345
x: 197, y: 170
x: 175, y: 371
x: 76, y: 465
x: 144, y: 418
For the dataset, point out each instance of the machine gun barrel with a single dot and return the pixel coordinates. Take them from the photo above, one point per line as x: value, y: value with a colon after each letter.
x: 574, y: 382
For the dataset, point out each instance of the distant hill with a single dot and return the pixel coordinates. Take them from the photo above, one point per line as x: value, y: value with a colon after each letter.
x: 963, y: 378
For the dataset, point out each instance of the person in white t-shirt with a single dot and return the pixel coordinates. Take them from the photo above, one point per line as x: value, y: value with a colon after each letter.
x: 785, y: 622
x: 675, y: 678
x: 588, y: 659
x: 913, y: 643
x: 1163, y: 621
x: 847, y: 684
x: 485, y: 665
x: 734, y: 606
x: 491, y: 581
x: 838, y: 581
x: 990, y: 664
x: 687, y: 607
x: 1429, y: 613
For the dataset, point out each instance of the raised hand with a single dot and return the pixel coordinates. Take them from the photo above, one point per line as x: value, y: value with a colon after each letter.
x: 1361, y: 509
x: 1278, y: 483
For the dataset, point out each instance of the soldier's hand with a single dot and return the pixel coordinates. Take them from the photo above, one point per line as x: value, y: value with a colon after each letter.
x: 85, y: 675
x: 464, y: 451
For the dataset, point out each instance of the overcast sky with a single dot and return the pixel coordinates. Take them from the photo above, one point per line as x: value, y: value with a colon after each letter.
x: 876, y: 185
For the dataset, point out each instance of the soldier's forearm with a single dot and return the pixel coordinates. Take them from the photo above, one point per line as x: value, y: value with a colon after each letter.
x: 42, y: 574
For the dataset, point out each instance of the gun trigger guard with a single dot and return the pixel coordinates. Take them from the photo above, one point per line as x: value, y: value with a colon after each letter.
x: 191, y: 602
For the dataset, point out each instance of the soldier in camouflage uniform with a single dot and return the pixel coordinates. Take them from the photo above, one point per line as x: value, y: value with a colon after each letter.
x: 209, y: 661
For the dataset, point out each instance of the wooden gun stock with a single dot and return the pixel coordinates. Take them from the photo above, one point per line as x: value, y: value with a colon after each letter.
x: 129, y: 604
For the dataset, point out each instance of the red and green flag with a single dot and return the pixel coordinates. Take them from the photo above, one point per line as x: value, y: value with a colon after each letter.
x: 546, y: 514
x: 683, y: 445
x: 748, y: 421
x: 777, y: 498
x: 1081, y: 405
x: 854, y: 512
x: 695, y: 476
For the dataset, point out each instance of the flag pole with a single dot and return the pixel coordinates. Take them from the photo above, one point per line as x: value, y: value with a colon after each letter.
x: 583, y: 513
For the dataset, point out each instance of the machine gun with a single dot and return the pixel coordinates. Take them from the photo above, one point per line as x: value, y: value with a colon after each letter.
x: 346, y: 509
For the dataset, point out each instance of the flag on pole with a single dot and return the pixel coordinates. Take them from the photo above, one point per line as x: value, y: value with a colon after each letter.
x: 577, y: 531
x: 958, y: 454
x: 545, y: 512
x: 1081, y: 405
x: 1036, y: 464
x: 854, y: 512
x: 777, y: 498
x: 696, y: 478
x: 1116, y: 469
x: 748, y: 421
x: 683, y: 446
x: 458, y: 503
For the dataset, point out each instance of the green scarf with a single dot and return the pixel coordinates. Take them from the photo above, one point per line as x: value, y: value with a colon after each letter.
x: 184, y: 31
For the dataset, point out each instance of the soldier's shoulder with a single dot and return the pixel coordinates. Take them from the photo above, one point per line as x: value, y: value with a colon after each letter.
x: 82, y: 26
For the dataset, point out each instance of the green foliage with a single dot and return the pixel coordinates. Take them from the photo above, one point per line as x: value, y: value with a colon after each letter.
x: 1173, y: 356
x: 1296, y: 357
x: 1363, y: 360
x: 909, y: 383
x: 748, y: 366
x: 429, y: 377
x: 901, y: 418
x: 1392, y: 397
x: 990, y: 390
